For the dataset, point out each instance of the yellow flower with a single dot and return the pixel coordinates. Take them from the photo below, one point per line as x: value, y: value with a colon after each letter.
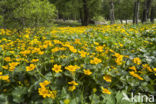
x: 107, y: 78
x: 133, y: 68
x: 55, y: 49
x: 8, y: 59
x: 4, y: 77
x: 87, y: 72
x: 154, y: 69
x: 34, y: 60
x: 73, y: 83
x: 66, y: 101
x: 72, y: 49
x: 41, y: 52
x: 57, y: 68
x: 45, y: 83
x: 96, y: 43
x: 135, y: 75
x: 99, y: 48
x: 119, y: 58
x: 13, y: 65
x: 31, y: 67
x: 106, y: 91
x: 137, y: 60
x: 77, y: 41
x: 57, y: 42
x: 43, y: 92
x: 72, y: 88
x: 72, y: 68
x: 95, y: 61
x: 83, y: 53
x: 121, y: 45
x: 5, y: 67
x: 52, y: 94
x: 146, y: 66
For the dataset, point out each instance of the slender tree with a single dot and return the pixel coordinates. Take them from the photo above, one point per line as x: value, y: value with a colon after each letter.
x: 112, y: 16
x: 146, y: 11
x: 136, y: 11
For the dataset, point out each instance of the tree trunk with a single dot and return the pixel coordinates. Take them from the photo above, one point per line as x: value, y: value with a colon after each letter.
x: 112, y: 17
x: 136, y: 12
x: 152, y: 14
x: 81, y: 16
x: 121, y: 21
x: 85, y: 20
x: 147, y: 6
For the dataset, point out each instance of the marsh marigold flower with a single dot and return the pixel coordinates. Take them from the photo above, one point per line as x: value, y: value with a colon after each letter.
x: 73, y: 87
x: 31, y: 67
x: 45, y: 92
x: 72, y: 49
x: 45, y: 83
x: 73, y: 83
x: 133, y: 68
x: 137, y: 61
x: 7, y: 59
x: 66, y: 101
x: 5, y: 67
x: 107, y: 78
x: 4, y: 77
x: 119, y: 58
x: 83, y: 53
x: 87, y: 72
x: 146, y: 66
x: 99, y: 48
x: 95, y: 61
x: 106, y: 91
x: 72, y: 68
x: 57, y: 68
x: 135, y: 75
x: 13, y: 65
x: 52, y: 94
x: 34, y: 60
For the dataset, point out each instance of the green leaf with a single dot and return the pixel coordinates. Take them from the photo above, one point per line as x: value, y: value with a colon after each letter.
x: 3, y: 99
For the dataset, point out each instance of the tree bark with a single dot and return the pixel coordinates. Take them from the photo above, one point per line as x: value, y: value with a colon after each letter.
x: 136, y: 12
x: 81, y: 16
x: 112, y: 16
x: 147, y: 6
x: 126, y: 22
x: 85, y: 20
x: 121, y: 21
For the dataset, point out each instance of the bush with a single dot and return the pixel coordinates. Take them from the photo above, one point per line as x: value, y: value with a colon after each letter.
x: 27, y: 13
x: 1, y: 20
x: 99, y: 18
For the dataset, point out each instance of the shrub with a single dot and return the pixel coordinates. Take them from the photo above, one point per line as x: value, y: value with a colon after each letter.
x: 27, y: 13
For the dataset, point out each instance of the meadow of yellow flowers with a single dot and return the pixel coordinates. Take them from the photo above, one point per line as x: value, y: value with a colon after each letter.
x: 77, y: 65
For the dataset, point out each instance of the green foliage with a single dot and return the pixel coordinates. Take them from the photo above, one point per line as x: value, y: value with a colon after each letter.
x: 1, y: 20
x: 99, y: 18
x: 71, y: 8
x: 27, y: 13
